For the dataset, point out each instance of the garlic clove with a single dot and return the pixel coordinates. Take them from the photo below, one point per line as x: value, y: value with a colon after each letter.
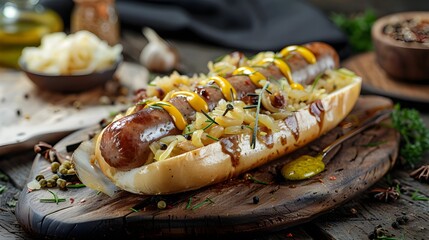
x: 158, y: 55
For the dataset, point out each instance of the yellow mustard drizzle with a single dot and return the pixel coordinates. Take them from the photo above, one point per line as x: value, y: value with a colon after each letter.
x: 227, y: 89
x: 304, y: 52
x: 254, y: 75
x: 175, y: 114
x: 285, y: 69
x: 195, y: 100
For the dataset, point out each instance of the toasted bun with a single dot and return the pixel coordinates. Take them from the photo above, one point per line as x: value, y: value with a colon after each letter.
x: 217, y: 162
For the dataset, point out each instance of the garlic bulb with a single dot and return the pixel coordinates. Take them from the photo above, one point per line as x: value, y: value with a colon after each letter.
x: 157, y: 55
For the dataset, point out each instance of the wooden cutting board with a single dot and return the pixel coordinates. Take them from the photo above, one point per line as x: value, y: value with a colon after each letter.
x: 225, y: 208
x: 377, y: 81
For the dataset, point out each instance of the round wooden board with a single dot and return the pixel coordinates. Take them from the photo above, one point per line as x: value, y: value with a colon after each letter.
x: 376, y: 81
x: 228, y: 207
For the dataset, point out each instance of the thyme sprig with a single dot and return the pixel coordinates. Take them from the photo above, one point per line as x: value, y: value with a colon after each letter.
x: 209, y: 118
x: 206, y: 201
x: 316, y: 80
x: 55, y: 198
x: 211, y: 137
x: 158, y: 106
x: 248, y: 176
x: 258, y: 109
x: 418, y: 197
x: 198, y: 205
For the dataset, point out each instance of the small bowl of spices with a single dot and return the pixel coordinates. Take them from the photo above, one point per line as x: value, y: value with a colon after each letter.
x: 401, y: 43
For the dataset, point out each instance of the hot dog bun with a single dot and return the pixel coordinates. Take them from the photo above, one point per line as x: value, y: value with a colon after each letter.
x: 232, y: 156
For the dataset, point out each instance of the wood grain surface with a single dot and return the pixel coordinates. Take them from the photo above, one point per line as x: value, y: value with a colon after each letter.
x: 229, y: 207
x: 376, y: 81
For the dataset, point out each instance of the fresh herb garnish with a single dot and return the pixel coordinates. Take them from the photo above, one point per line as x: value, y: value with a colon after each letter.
x: 12, y: 203
x: 213, y: 138
x: 3, y: 177
x: 206, y: 201
x: 214, y: 86
x: 2, y: 188
x: 357, y: 28
x: 252, y: 178
x: 134, y: 210
x: 258, y: 109
x: 250, y: 106
x: 158, y: 105
x: 188, y: 205
x: 414, y: 134
x: 417, y: 197
x: 218, y: 59
x: 209, y: 118
x: 316, y: 80
x: 208, y: 125
x: 55, y: 198
x: 145, y: 101
x: 81, y: 185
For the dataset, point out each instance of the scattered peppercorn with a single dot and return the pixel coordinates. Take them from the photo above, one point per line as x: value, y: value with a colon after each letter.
x: 163, y: 146
x: 255, y: 200
x: 402, y: 220
x: 395, y: 225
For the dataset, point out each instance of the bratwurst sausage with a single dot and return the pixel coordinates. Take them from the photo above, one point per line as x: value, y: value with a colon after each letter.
x: 125, y: 143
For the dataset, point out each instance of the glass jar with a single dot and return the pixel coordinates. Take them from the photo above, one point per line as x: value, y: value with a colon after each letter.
x: 23, y: 23
x: 98, y: 17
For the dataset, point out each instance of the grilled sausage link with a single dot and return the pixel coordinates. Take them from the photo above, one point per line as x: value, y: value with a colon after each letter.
x: 125, y: 142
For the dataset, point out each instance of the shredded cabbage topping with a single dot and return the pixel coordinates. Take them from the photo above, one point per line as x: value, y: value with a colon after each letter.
x: 236, y: 117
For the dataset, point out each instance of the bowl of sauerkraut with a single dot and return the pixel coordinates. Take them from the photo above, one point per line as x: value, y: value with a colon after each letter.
x: 70, y: 63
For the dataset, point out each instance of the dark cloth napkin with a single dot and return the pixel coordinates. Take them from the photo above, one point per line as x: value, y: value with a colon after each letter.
x: 250, y: 25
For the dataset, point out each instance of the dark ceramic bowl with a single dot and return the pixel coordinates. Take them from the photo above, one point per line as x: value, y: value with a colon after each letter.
x: 400, y: 59
x: 71, y: 83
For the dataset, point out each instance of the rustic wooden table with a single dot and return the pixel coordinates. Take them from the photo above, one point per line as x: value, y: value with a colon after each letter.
x: 355, y: 220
